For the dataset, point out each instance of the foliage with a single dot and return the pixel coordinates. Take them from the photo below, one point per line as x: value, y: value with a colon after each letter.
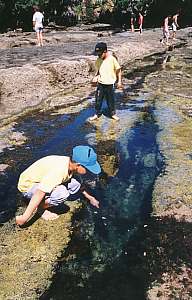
x: 18, y: 13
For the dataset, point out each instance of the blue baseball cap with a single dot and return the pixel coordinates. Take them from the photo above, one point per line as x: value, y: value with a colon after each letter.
x: 86, y: 156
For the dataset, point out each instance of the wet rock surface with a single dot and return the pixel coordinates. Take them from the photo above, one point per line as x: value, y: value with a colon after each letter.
x: 172, y: 201
x: 29, y: 75
x: 31, y: 254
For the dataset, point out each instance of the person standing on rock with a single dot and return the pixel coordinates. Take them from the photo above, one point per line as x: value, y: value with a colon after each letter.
x: 175, y: 25
x: 38, y: 24
x: 166, y: 33
x: 108, y: 72
x: 50, y: 181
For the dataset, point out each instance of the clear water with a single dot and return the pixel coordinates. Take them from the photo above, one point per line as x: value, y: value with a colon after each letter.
x: 98, y: 247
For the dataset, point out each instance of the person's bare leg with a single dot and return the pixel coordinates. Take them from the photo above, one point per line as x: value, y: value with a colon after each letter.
x: 41, y: 38
x: 31, y: 208
x: 174, y: 35
x: 132, y: 28
x: 38, y: 39
x: 48, y: 215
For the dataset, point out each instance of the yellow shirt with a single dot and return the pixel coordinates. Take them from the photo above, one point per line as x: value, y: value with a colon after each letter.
x: 107, y: 69
x: 49, y: 171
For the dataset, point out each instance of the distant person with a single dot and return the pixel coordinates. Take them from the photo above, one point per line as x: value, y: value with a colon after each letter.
x: 50, y: 181
x: 175, y: 24
x: 38, y: 24
x: 108, y: 72
x: 140, y: 21
x: 132, y: 21
x: 166, y: 33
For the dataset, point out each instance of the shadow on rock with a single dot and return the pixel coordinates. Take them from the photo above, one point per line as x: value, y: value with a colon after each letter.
x: 164, y: 257
x: 159, y: 253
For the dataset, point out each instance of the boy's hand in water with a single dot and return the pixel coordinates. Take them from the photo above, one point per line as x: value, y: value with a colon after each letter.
x: 91, y: 199
x: 94, y: 202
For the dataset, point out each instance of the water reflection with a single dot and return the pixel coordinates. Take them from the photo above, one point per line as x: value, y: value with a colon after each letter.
x: 125, y: 189
x: 129, y: 154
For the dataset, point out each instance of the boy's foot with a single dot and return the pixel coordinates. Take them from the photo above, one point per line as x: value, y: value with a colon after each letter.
x: 49, y: 216
x: 93, y: 118
x: 115, y: 117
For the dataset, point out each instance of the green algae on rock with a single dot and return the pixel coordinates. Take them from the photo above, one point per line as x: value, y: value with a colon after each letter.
x: 29, y: 255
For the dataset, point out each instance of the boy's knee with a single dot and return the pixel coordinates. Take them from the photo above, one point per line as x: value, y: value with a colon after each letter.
x: 74, y: 186
x: 58, y: 195
x: 62, y: 192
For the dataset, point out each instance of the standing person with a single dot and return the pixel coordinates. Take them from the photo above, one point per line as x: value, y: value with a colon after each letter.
x: 140, y: 21
x: 38, y: 24
x: 108, y: 72
x: 49, y: 181
x: 175, y: 24
x: 166, y: 33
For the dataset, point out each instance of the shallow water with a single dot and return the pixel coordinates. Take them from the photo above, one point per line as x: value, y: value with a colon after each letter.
x: 101, y: 235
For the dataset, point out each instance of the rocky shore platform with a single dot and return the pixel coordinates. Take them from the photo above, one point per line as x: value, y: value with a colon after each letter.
x: 30, y: 75
x: 38, y: 78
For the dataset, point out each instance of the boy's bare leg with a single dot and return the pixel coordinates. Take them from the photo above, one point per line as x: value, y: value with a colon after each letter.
x: 48, y: 215
x: 38, y: 39
x: 174, y: 35
x: 41, y: 38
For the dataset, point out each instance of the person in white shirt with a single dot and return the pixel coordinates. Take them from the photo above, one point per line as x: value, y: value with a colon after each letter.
x: 38, y: 25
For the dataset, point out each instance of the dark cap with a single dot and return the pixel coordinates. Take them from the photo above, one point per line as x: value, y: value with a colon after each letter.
x: 100, y: 47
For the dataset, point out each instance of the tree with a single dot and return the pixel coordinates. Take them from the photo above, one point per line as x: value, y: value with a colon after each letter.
x: 18, y: 13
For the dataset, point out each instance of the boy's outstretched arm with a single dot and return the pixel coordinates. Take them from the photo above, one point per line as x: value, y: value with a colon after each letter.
x: 32, y: 206
x: 91, y: 199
